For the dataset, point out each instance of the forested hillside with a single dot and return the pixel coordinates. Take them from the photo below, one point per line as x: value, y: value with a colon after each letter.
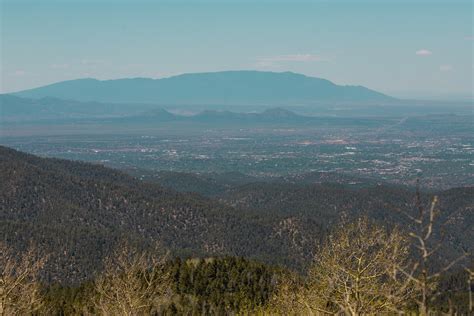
x: 76, y: 212
x: 313, y: 202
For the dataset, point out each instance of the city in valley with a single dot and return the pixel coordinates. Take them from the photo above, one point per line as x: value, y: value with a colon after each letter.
x: 437, y: 150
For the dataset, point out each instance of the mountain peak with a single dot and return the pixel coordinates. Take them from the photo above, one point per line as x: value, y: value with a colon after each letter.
x: 279, y: 113
x: 237, y: 87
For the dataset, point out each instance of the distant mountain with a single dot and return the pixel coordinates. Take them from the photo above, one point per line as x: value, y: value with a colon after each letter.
x: 14, y: 108
x: 213, y: 118
x: 279, y: 113
x: 217, y: 88
x: 148, y: 117
x: 54, y: 110
x: 272, y: 115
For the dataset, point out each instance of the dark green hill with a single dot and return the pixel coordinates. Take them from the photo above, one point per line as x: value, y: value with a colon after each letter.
x: 206, y: 184
x: 78, y: 211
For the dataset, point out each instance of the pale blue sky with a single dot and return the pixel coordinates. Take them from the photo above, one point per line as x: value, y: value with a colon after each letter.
x: 416, y: 48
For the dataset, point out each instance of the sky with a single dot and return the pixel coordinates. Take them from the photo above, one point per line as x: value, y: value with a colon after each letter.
x: 412, y: 49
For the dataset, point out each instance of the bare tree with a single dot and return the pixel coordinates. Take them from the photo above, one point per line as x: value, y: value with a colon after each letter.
x: 19, y: 285
x: 133, y: 283
x: 426, y: 244
x: 288, y: 299
x: 354, y: 273
x: 470, y: 284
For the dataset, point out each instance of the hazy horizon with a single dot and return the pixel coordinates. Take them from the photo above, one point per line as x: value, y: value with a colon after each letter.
x: 421, y: 50
x: 403, y: 95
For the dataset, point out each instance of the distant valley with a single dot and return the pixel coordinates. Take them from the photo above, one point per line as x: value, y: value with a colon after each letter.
x: 273, y: 143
